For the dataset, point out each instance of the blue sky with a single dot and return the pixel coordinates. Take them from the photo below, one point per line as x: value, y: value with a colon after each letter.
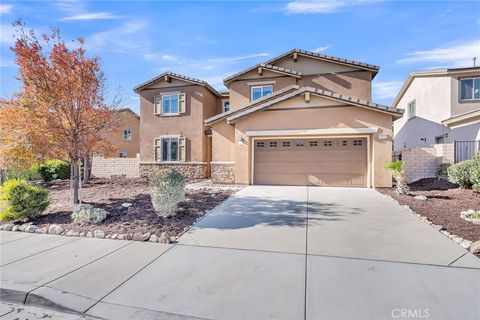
x: 138, y: 40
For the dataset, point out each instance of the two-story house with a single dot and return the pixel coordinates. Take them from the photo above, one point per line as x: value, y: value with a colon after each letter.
x: 301, y: 118
x: 441, y: 106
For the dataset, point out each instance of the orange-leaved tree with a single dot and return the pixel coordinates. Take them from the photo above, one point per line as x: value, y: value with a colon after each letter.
x: 63, y: 90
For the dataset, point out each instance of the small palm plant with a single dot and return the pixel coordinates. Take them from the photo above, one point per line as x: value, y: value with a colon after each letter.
x: 396, y: 168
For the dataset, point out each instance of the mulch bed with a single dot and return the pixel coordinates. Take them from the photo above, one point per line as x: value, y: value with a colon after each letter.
x: 139, y: 218
x: 443, y: 206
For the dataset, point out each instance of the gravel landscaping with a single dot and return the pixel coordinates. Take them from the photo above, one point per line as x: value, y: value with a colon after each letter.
x: 130, y: 211
x: 442, y: 206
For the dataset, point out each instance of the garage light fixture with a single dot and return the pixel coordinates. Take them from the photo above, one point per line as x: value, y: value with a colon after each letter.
x: 241, y: 141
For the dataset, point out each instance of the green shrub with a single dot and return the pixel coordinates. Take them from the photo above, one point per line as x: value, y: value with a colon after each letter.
x: 460, y: 173
x: 21, y: 201
x: 475, y: 171
x: 442, y: 169
x: 22, y: 174
x: 88, y: 214
x: 167, y: 190
x: 54, y: 169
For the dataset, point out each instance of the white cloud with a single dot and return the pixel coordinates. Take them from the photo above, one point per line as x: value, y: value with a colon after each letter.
x: 386, y: 89
x: 5, y: 8
x: 204, y: 40
x: 321, y: 6
x: 459, y: 55
x: 118, y: 39
x: 90, y: 16
x: 321, y: 49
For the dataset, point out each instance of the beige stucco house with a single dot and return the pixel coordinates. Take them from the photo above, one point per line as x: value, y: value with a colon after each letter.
x: 441, y: 106
x: 124, y: 137
x: 301, y: 118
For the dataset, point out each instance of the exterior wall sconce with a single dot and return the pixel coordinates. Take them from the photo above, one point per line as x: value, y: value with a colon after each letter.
x: 242, y: 141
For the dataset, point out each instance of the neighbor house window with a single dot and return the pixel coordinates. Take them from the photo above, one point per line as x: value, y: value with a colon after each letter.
x: 170, y: 149
x: 226, y: 105
x: 412, y: 109
x: 122, y: 154
x: 261, y: 91
x: 470, y: 89
x: 127, y: 134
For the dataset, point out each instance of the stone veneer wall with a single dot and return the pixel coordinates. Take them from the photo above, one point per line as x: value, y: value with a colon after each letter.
x: 222, y: 172
x: 191, y: 171
x: 422, y: 163
x: 108, y: 167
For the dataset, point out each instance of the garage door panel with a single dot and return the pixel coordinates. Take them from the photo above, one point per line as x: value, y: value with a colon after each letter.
x: 326, y: 162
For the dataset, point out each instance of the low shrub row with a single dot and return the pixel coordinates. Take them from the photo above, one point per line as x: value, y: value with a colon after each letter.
x: 48, y: 171
x: 466, y: 173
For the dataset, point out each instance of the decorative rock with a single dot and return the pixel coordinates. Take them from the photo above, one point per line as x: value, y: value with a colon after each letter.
x: 126, y: 204
x: 153, y: 238
x: 108, y: 236
x: 69, y: 233
x: 8, y: 227
x: 173, y: 239
x: 89, y: 234
x: 42, y: 230
x: 15, y: 227
x: 99, y: 234
x: 55, y: 229
x: 128, y: 236
x: 137, y: 236
x: 438, y: 227
x: 476, y: 221
x: 421, y: 198
x: 164, y: 238
x: 146, y: 236
x: 446, y: 233
x: 114, y: 236
x: 75, y: 234
x: 466, y: 244
x: 21, y: 228
x: 475, y: 247
x: 83, y: 234
x: 32, y: 228
x: 121, y: 237
x: 407, y: 207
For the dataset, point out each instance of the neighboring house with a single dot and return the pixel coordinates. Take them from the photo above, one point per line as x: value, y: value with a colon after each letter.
x: 301, y: 118
x: 441, y: 106
x: 124, y: 137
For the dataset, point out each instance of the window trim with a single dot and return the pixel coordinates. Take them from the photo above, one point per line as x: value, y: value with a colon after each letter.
x: 130, y: 137
x: 161, y: 95
x: 409, y: 113
x: 179, y: 148
x: 473, y: 90
x: 262, y: 86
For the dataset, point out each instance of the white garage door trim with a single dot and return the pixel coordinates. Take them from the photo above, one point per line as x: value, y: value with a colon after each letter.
x: 370, y: 180
x: 303, y: 132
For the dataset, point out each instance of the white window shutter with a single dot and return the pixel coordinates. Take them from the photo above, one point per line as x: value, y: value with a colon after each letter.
x: 157, y: 105
x: 182, y: 104
x: 181, y: 149
x: 158, y: 149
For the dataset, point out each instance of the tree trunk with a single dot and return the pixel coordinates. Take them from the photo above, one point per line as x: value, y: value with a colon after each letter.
x: 75, y: 181
x: 1, y: 176
x: 86, y: 169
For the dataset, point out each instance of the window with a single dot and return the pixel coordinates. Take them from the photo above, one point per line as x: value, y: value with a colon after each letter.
x: 127, y: 134
x: 273, y: 144
x: 226, y: 105
x: 470, y: 89
x: 299, y: 143
x: 327, y: 143
x: 412, y: 109
x: 313, y: 143
x: 122, y: 154
x: 170, y: 149
x: 357, y: 142
x: 261, y: 91
x: 169, y: 104
x: 344, y: 143
x: 260, y: 144
x: 286, y: 143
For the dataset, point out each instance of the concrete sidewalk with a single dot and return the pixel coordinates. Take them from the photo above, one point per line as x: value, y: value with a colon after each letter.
x: 266, y: 253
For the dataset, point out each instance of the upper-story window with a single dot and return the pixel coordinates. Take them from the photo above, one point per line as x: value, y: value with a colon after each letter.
x: 169, y: 104
x: 127, y: 134
x: 470, y: 89
x: 226, y: 105
x: 122, y: 154
x: 261, y: 91
x: 412, y: 109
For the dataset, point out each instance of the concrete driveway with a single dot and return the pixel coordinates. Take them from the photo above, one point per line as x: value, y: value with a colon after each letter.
x: 266, y: 253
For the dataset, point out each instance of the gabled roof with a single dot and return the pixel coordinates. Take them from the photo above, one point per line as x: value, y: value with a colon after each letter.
x: 179, y: 77
x: 358, y: 64
x: 431, y: 73
x: 294, y: 91
x: 130, y: 111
